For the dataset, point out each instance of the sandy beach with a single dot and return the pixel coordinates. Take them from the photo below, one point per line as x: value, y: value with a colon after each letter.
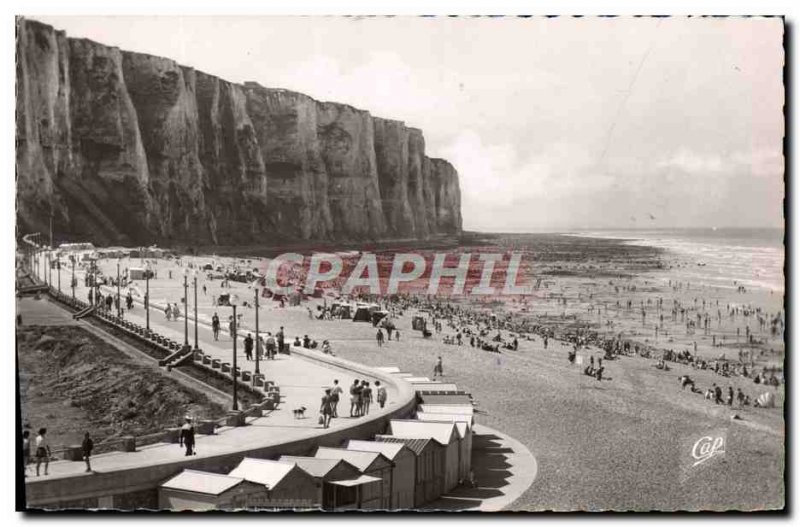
x: 623, y: 443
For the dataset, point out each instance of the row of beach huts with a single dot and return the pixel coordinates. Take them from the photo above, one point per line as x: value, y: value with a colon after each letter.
x: 415, y: 462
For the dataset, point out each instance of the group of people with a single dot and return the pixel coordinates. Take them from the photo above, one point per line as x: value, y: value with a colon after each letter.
x: 361, y: 397
x: 42, y: 453
x: 172, y: 311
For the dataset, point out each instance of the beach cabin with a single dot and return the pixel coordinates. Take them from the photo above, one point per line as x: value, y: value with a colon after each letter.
x: 444, y: 433
x: 464, y: 428
x: 363, y: 312
x: 341, y: 485
x: 455, y: 409
x: 438, y: 387
x: 369, y: 464
x: 429, y: 469
x: 403, y: 472
x: 193, y: 490
x: 136, y: 273
x: 286, y: 484
x: 449, y: 400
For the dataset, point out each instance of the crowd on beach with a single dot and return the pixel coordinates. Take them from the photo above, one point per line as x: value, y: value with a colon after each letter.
x: 463, y: 324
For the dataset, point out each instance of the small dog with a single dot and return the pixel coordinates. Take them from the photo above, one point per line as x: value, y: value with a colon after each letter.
x: 299, y: 413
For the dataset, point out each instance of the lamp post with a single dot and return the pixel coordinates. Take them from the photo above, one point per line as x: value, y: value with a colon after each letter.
x: 72, y: 283
x: 186, y: 308
x: 147, y: 296
x: 119, y: 303
x: 194, y: 280
x: 258, y: 336
x: 233, y: 301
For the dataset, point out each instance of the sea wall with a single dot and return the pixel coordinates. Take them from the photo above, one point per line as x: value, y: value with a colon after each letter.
x: 127, y: 148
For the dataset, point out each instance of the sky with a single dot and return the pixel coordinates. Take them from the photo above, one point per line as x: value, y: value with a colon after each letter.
x: 552, y: 123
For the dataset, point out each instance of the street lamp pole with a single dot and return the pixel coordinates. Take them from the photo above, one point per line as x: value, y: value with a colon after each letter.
x: 72, y: 257
x: 186, y: 308
x: 258, y: 336
x: 147, y: 296
x: 233, y: 371
x: 196, y: 348
x: 119, y: 304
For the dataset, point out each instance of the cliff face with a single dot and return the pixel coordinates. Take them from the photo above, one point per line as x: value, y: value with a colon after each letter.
x: 129, y: 148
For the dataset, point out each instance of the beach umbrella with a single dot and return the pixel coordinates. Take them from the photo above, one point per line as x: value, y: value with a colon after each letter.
x: 766, y: 400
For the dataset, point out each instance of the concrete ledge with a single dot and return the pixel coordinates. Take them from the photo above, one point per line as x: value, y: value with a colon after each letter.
x: 172, y: 435
x: 128, y: 444
x: 73, y: 453
x: 235, y: 418
x: 206, y: 427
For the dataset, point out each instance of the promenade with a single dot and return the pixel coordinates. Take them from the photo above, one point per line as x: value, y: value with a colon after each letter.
x: 503, y: 466
x: 301, y: 380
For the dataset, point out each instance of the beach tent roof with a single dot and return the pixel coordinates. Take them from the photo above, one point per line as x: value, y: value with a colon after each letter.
x: 416, y: 444
x: 435, y: 387
x: 388, y: 369
x: 462, y: 426
x: 317, y: 467
x: 444, y: 418
x: 446, y: 399
x: 361, y: 460
x: 461, y: 409
x: 390, y: 450
x: 202, y: 482
x: 263, y: 471
x: 442, y: 432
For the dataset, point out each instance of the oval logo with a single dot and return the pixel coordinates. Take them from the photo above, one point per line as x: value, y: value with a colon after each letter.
x: 707, y: 447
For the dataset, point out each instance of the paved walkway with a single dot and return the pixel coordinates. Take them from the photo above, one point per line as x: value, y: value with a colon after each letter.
x: 301, y: 382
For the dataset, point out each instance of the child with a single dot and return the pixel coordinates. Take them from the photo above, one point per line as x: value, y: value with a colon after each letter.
x: 381, y: 393
x: 87, y: 447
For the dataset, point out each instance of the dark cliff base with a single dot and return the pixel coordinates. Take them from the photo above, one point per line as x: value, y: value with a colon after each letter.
x: 72, y: 382
x: 132, y: 149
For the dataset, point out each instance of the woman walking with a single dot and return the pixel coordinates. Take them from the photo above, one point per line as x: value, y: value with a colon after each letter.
x: 326, y: 409
x: 42, y: 451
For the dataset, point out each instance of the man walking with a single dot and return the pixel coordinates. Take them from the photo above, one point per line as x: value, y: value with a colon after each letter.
x: 280, y: 340
x: 379, y: 337
x: 438, y: 369
x: 270, y: 346
x: 354, y: 396
x: 336, y: 392
x: 215, y: 326
x: 248, y: 347
x: 366, y: 397
x: 187, y: 437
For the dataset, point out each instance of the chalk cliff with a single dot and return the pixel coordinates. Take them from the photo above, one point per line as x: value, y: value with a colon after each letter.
x: 127, y: 148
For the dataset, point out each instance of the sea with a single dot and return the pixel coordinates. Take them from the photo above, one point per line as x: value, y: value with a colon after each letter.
x: 717, y: 257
